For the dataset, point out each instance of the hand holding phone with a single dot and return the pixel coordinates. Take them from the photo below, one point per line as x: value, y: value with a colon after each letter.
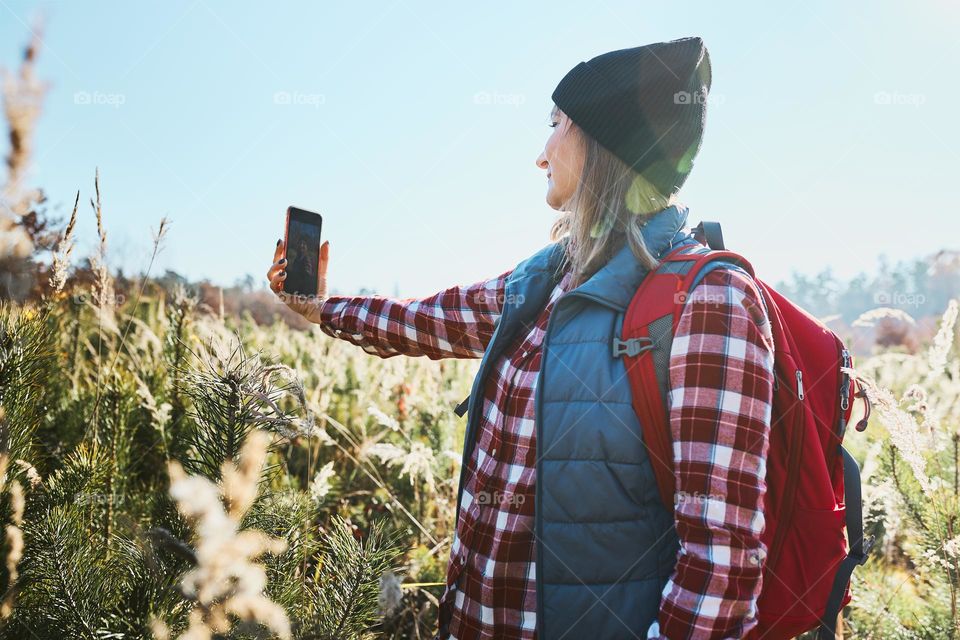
x: 298, y: 274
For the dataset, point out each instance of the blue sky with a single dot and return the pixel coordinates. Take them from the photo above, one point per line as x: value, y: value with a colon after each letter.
x: 413, y: 127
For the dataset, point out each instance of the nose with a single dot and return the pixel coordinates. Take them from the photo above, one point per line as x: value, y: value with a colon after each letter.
x: 542, y: 160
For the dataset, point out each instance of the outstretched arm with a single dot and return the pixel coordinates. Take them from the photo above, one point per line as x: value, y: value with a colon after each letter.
x: 455, y: 323
x: 721, y: 394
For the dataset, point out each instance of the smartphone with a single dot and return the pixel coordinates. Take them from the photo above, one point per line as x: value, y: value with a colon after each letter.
x: 302, y: 251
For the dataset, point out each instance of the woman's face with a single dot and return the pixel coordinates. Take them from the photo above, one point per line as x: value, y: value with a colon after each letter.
x: 562, y: 157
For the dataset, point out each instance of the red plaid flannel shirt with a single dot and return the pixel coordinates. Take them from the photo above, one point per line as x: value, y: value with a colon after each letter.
x: 721, y: 383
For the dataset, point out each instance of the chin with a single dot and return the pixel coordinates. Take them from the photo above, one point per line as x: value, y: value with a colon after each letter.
x: 553, y: 200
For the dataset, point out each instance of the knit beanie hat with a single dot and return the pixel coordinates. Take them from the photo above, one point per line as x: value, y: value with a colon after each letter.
x: 647, y: 105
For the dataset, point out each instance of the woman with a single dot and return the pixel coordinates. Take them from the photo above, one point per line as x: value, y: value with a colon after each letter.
x: 560, y: 530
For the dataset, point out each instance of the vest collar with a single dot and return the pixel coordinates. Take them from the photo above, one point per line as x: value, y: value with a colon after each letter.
x: 617, y: 281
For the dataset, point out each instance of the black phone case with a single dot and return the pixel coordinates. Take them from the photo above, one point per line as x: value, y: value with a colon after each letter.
x: 303, y: 229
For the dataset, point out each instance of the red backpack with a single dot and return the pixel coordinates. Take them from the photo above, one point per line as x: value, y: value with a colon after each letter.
x: 813, y: 484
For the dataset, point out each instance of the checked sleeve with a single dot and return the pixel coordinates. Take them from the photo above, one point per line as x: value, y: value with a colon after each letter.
x: 454, y: 323
x: 720, y: 406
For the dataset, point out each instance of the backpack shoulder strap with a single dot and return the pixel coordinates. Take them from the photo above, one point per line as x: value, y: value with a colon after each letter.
x: 649, y: 324
x: 708, y: 233
x: 859, y: 547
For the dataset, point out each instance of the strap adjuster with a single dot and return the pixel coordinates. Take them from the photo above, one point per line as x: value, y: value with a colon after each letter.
x: 865, y: 553
x: 631, y: 347
x: 462, y: 407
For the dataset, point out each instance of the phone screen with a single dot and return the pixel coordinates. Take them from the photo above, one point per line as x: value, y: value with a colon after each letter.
x: 302, y: 251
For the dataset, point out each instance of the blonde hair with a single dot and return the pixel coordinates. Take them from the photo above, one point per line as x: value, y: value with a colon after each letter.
x: 610, y: 206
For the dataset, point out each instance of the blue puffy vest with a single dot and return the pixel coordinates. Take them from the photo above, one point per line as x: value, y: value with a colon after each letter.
x: 605, y: 542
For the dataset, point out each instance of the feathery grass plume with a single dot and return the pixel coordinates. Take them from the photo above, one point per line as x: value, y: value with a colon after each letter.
x: 159, y: 629
x: 226, y: 581
x: 383, y: 418
x: 305, y: 425
x: 390, y: 593
x: 60, y: 269
x: 904, y: 431
x: 160, y: 234
x: 937, y: 354
x: 320, y: 485
x: 14, y: 536
x: 103, y: 284
x: 33, y: 477
x: 240, y: 480
x: 103, y: 298
x: 416, y: 462
x: 23, y: 96
x: 871, y: 317
x: 177, y: 316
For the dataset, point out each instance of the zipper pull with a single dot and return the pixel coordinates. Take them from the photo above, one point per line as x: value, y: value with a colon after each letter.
x: 799, y: 384
x: 866, y: 401
x: 845, y: 382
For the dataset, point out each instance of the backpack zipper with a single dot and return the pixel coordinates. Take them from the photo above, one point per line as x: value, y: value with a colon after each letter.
x: 799, y: 384
x: 845, y: 381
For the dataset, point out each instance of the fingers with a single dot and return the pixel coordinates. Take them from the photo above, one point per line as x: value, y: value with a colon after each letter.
x: 324, y: 258
x: 279, y: 262
x: 276, y: 267
x: 276, y: 274
x: 276, y: 282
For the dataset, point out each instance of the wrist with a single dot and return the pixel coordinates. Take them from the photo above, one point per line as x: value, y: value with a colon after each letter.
x: 315, y: 312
